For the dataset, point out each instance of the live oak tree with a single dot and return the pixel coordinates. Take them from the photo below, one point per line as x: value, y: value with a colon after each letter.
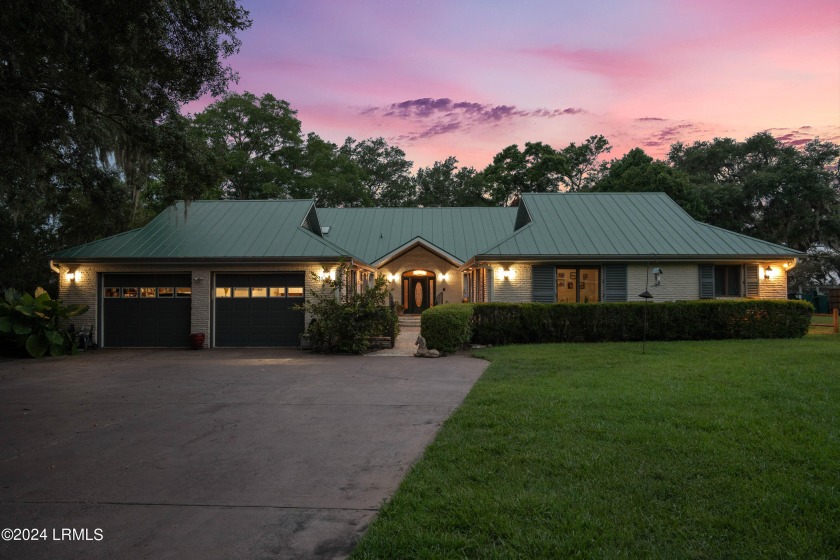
x: 638, y: 172
x: 766, y: 189
x: 584, y: 163
x: 538, y: 168
x: 384, y: 171
x: 84, y: 90
x: 445, y: 184
x: 258, y: 142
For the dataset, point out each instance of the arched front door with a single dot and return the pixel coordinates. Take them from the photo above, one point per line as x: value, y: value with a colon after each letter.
x: 418, y: 290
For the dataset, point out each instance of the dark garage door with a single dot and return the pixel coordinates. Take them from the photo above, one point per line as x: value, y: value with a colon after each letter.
x: 256, y: 309
x: 146, y: 310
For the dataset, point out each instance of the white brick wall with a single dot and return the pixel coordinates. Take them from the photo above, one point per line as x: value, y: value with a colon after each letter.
x: 420, y: 258
x: 516, y: 288
x: 679, y: 282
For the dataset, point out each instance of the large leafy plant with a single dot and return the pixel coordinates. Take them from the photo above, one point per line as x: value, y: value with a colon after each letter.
x: 346, y: 319
x: 32, y: 321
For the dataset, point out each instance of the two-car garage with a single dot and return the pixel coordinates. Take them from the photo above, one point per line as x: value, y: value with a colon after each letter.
x: 248, y: 309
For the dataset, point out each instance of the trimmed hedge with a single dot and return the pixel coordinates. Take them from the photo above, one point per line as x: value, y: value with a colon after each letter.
x: 447, y: 327
x: 510, y: 323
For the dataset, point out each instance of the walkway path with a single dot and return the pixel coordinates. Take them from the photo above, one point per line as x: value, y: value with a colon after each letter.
x: 404, y: 345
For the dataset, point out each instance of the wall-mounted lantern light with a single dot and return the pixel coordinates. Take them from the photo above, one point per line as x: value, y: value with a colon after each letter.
x: 392, y: 278
x: 506, y: 273
x: 768, y: 273
x: 73, y: 276
x: 443, y: 277
x: 325, y: 274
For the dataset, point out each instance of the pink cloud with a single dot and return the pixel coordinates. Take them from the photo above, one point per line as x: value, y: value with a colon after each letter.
x: 615, y: 64
x: 434, y: 117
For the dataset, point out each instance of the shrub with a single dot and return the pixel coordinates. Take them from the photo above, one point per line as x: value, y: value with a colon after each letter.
x: 505, y: 323
x: 347, y: 323
x: 30, y: 323
x: 447, y: 327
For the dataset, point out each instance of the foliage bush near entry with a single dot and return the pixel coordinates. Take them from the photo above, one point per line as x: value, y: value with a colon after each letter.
x: 450, y: 326
x: 31, y: 323
x: 447, y: 327
x: 346, y: 320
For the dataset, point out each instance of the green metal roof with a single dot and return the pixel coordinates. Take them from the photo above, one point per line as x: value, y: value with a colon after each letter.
x: 568, y: 225
x: 623, y: 225
x: 218, y: 230
x: 374, y: 233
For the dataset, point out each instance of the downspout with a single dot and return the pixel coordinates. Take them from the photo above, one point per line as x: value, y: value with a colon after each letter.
x: 54, y: 268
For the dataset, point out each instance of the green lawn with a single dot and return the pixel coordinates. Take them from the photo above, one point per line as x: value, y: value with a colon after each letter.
x: 724, y: 449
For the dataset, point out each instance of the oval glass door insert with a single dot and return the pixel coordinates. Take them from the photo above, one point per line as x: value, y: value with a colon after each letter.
x: 418, y: 294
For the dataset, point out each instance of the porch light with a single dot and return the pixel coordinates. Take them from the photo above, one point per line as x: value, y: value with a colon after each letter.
x: 768, y: 273
x: 443, y: 277
x: 391, y: 278
x: 72, y: 276
x: 324, y: 274
x: 506, y: 274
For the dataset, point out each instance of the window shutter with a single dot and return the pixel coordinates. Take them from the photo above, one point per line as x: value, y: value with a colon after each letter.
x: 543, y: 284
x: 752, y: 280
x: 615, y: 282
x: 707, y: 281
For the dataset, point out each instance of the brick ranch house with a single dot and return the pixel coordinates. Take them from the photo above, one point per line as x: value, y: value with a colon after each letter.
x: 235, y: 269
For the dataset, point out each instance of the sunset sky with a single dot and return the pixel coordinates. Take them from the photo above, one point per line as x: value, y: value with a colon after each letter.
x: 469, y: 78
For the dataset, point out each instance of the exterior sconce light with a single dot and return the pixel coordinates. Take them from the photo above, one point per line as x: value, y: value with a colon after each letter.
x: 71, y: 276
x: 391, y: 278
x: 506, y: 274
x: 443, y: 277
x: 768, y: 273
x: 325, y: 274
x: 657, y: 276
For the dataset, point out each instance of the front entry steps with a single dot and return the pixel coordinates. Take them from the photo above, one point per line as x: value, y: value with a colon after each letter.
x: 409, y: 321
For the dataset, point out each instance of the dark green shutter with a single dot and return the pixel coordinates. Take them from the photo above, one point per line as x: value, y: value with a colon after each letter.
x: 752, y: 280
x: 543, y: 284
x: 707, y: 281
x: 615, y: 282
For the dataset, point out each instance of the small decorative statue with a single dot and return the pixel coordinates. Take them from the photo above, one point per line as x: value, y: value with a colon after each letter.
x: 422, y: 350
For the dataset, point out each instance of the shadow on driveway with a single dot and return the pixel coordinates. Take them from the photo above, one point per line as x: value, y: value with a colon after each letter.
x: 213, y: 454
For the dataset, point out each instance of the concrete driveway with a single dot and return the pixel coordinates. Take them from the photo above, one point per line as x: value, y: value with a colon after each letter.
x: 211, y: 454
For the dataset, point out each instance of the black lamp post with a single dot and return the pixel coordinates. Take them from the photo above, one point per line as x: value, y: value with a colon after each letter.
x: 647, y: 296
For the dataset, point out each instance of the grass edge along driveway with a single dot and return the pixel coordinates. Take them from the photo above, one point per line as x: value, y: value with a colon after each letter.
x: 721, y: 449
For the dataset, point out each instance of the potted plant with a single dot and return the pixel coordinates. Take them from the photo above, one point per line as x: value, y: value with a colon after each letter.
x: 400, y: 309
x: 197, y: 340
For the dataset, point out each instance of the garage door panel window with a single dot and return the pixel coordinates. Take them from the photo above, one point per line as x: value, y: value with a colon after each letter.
x: 257, y: 309
x: 141, y: 310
